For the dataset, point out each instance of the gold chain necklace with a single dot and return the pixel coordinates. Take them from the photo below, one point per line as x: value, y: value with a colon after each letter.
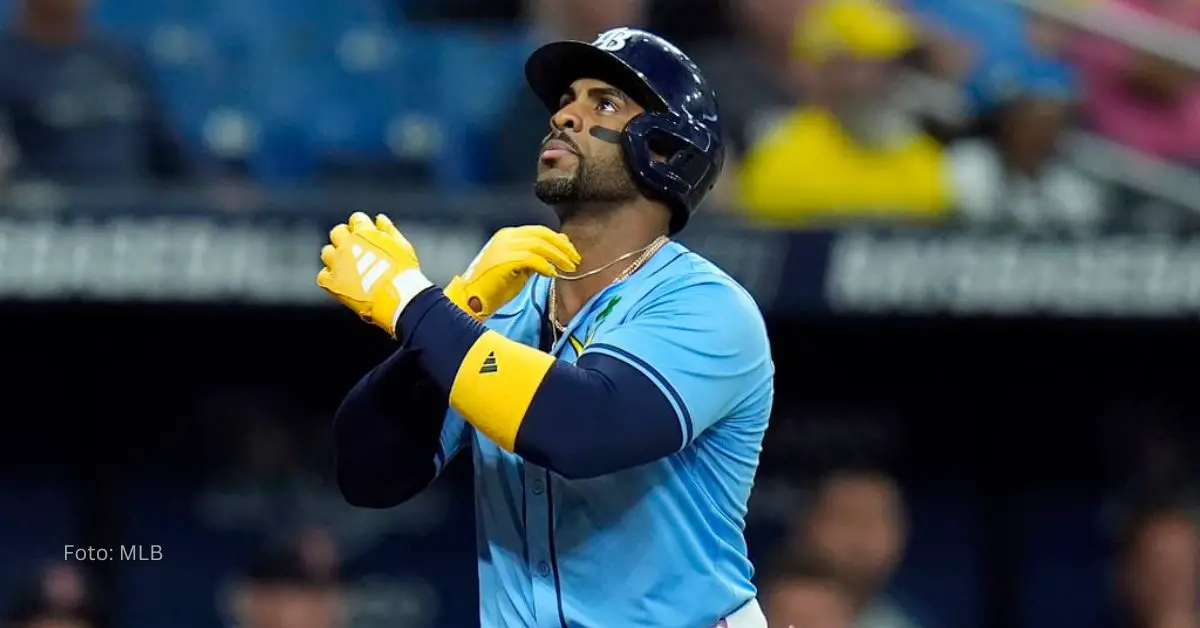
x: 594, y: 271
x: 646, y: 253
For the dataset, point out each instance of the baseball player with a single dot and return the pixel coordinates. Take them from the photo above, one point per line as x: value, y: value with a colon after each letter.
x: 615, y: 407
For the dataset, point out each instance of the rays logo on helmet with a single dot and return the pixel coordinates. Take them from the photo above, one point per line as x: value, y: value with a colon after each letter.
x: 613, y: 40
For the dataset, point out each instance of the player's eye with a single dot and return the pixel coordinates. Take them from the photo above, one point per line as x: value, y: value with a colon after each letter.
x: 606, y: 105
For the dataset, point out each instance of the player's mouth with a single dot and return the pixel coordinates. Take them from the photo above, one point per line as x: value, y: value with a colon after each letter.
x: 554, y: 150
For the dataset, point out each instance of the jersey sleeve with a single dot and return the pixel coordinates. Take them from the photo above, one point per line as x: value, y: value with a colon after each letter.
x: 703, y: 344
x: 393, y: 434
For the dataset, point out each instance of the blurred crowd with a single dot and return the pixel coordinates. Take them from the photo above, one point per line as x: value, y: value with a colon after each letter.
x: 834, y: 567
x: 831, y: 568
x: 909, y: 110
x: 293, y: 584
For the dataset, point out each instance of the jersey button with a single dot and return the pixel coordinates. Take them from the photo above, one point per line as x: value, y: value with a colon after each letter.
x: 543, y: 569
x: 539, y: 487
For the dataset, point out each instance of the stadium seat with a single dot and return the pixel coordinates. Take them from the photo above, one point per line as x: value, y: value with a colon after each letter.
x: 287, y: 84
x: 477, y: 70
x: 363, y: 87
x: 267, y: 19
x: 199, y: 74
x: 471, y: 73
x: 136, y: 20
x: 408, y: 98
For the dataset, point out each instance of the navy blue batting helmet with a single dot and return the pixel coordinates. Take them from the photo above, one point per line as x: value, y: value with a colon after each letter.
x: 681, y: 124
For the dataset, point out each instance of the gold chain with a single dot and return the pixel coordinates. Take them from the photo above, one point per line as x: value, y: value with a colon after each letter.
x: 596, y: 271
x: 552, y: 301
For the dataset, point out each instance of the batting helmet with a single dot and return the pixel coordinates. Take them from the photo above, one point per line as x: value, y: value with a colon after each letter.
x: 681, y: 124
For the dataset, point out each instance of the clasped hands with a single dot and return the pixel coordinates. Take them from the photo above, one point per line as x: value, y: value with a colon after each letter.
x: 371, y: 268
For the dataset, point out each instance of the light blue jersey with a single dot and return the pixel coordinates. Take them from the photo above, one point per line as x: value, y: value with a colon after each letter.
x: 658, y: 545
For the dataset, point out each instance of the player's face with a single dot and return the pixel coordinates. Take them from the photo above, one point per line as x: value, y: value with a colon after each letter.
x: 580, y: 160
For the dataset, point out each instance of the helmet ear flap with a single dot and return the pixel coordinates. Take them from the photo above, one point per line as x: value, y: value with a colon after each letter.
x: 672, y: 159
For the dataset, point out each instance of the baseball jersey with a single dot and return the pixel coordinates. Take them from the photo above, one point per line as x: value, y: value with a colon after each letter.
x: 657, y: 545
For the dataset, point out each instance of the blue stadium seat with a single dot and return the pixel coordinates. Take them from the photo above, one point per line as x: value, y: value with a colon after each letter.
x: 207, y: 74
x: 461, y: 78
x: 267, y: 20
x: 476, y: 72
x: 362, y: 75
x: 378, y: 97
x: 136, y: 20
x: 294, y: 80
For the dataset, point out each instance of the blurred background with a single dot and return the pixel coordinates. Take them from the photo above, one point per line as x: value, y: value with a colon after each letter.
x: 971, y: 223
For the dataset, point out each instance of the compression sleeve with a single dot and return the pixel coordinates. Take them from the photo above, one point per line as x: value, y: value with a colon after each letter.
x: 389, y: 434
x: 595, y: 417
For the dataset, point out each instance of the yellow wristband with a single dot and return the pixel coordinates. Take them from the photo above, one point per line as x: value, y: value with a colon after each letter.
x: 495, y: 384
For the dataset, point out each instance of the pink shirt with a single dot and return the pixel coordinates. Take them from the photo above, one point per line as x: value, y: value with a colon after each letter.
x: 1170, y: 131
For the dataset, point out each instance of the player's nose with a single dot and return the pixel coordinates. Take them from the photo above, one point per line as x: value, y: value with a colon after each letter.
x: 566, y: 119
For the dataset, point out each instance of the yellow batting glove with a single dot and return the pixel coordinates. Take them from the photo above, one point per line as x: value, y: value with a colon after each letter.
x: 506, y: 263
x: 372, y: 269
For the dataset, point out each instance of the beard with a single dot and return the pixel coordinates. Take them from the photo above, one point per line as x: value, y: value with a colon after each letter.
x: 595, y: 181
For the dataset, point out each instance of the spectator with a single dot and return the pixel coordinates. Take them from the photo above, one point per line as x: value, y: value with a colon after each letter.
x: 856, y: 152
x: 857, y: 525
x: 294, y: 586
x: 1158, y: 573
x: 754, y: 76
x: 525, y: 122
x: 751, y: 74
x: 1147, y: 102
x: 57, y: 598
x: 79, y: 107
x: 1002, y: 50
x: 801, y: 592
x: 1021, y: 95
x: 1017, y: 173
